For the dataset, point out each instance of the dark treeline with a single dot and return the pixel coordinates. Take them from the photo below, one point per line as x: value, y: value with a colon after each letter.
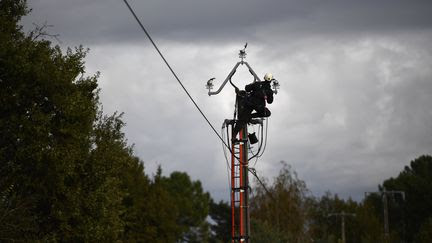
x: 289, y: 213
x: 67, y: 173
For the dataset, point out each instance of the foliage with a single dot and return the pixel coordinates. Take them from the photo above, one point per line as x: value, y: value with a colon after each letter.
x: 220, y: 213
x: 191, y: 206
x: 287, y: 209
x: 283, y: 206
x: 68, y: 174
x: 325, y: 220
x: 164, y: 209
x: 46, y: 121
x: 425, y: 233
x: 66, y: 170
x: 264, y: 232
x: 409, y: 215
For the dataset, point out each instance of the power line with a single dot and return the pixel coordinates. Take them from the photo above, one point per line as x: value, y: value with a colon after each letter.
x: 172, y: 71
x: 178, y: 80
x: 253, y: 172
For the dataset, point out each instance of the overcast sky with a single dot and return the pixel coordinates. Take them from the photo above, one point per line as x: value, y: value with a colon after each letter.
x: 356, y: 80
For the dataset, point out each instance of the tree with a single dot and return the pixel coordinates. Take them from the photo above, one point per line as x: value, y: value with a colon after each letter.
x: 363, y: 227
x: 368, y: 223
x: 407, y: 217
x: 54, y: 179
x: 191, y: 204
x: 164, y: 209
x: 425, y: 233
x: 264, y: 232
x: 220, y: 213
x: 136, y: 201
x: 156, y: 214
x: 66, y: 170
x: 323, y: 227
x: 284, y: 206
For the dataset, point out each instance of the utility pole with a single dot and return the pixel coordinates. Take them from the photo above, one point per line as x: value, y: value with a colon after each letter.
x: 240, y: 214
x: 342, y: 215
x: 240, y: 217
x: 240, y: 149
x: 384, y: 194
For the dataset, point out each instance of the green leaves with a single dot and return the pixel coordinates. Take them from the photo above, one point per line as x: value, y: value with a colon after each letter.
x: 66, y: 170
x: 165, y: 209
x: 407, y: 217
x: 284, y: 207
x: 220, y: 213
x: 48, y: 109
x: 11, y: 12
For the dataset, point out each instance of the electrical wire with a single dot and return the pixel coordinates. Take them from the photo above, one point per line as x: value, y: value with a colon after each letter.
x: 253, y: 172
x: 256, y: 157
x: 260, y: 145
x: 184, y: 88
x: 172, y: 71
x: 226, y: 159
x: 224, y: 150
x: 265, y: 143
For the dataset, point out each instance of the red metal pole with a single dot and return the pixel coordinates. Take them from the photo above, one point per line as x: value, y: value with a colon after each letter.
x: 232, y: 192
x: 241, y: 191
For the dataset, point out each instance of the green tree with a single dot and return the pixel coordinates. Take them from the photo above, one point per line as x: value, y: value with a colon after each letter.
x: 363, y: 227
x: 264, y: 232
x: 164, y: 209
x: 284, y: 206
x: 191, y: 204
x: 14, y: 209
x: 368, y: 223
x: 59, y: 159
x: 66, y: 170
x: 150, y: 215
x: 220, y: 213
x: 136, y: 188
x: 425, y: 233
x: 406, y: 217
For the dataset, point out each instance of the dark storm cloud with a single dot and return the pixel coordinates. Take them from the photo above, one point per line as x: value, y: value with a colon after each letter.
x: 191, y: 20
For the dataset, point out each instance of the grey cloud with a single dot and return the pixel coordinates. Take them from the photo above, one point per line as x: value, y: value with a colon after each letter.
x: 360, y: 115
x: 190, y: 20
x: 349, y: 114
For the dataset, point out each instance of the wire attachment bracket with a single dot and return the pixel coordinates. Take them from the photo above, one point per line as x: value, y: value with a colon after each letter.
x: 209, y: 84
x: 242, y: 53
x: 242, y: 56
x: 275, y: 86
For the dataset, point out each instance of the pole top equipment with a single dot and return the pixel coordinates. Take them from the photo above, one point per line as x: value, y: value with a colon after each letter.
x: 242, y: 56
x: 242, y: 53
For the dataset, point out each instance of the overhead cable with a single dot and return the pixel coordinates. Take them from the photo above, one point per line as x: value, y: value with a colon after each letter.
x: 181, y: 84
x: 172, y: 71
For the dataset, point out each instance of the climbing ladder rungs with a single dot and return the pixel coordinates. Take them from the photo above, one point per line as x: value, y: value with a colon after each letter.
x: 239, y: 190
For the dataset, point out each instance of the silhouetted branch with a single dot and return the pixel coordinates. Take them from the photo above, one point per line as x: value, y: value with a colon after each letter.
x: 40, y: 31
